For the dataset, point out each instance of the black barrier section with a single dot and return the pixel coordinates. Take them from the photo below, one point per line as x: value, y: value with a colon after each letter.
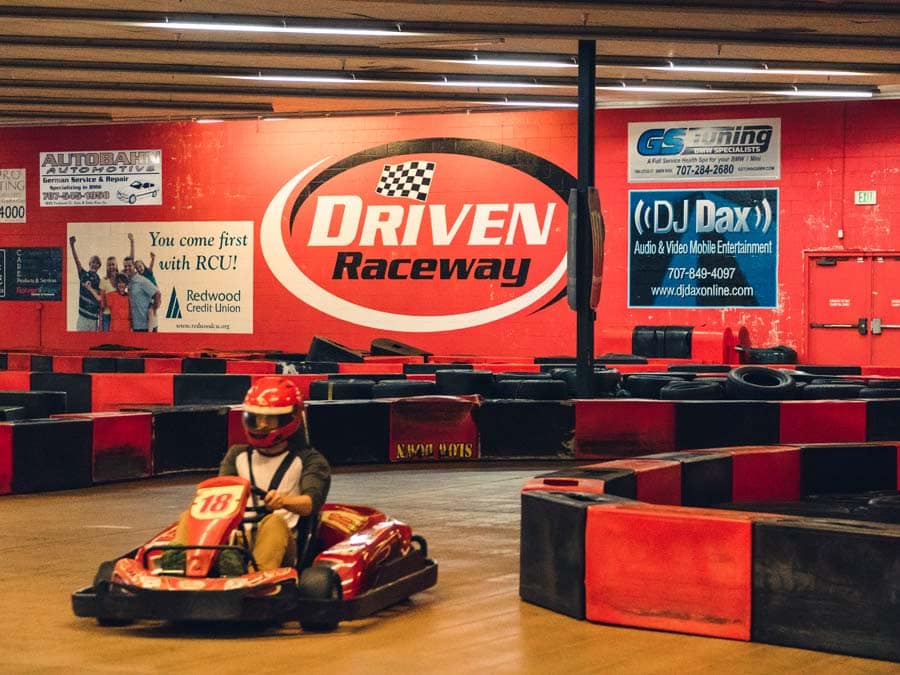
x: 12, y: 412
x: 323, y: 349
x: 520, y: 428
x: 718, y: 424
x: 99, y: 364
x: 705, y: 477
x: 51, y: 455
x: 41, y: 363
x: 552, y: 558
x: 77, y: 387
x: 807, y: 573
x: 129, y: 365
x: 883, y: 419
x: 847, y: 468
x: 36, y: 403
x: 203, y: 365
x: 350, y: 432
x: 204, y: 389
x: 4, y: 361
x: 187, y: 437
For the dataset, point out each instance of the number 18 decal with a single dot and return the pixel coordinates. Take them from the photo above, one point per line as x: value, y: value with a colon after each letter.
x: 217, y: 502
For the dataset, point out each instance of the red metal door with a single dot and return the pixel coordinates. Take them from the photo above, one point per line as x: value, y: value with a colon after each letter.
x: 885, y: 323
x: 840, y: 302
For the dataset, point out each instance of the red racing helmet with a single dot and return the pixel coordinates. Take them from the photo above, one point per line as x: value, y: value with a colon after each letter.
x: 273, y: 411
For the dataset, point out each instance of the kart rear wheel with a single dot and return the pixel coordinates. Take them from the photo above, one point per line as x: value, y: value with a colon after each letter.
x: 319, y: 583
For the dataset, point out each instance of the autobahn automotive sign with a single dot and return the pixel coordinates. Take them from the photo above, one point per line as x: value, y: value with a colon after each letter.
x: 424, y: 235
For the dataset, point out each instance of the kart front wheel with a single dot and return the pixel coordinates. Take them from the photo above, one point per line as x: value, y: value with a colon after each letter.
x: 319, y: 583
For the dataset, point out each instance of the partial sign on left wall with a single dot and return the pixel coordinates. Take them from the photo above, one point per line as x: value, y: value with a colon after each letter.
x: 203, y: 270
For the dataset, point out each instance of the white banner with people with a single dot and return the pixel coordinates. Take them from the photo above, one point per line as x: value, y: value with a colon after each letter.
x: 170, y: 277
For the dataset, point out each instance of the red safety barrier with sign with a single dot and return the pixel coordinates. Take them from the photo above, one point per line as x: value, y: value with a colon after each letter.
x: 433, y: 428
x: 609, y: 428
x: 670, y: 568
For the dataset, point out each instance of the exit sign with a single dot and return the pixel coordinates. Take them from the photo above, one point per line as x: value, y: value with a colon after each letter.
x: 864, y: 197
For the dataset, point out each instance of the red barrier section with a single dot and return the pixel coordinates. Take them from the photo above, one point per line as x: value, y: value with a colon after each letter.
x: 370, y: 367
x: 15, y: 380
x: 6, y: 458
x: 623, y: 428
x: 566, y: 484
x: 250, y: 367
x: 67, y: 364
x: 162, y: 365
x: 658, y: 480
x: 669, y: 568
x: 433, y: 428
x: 881, y: 371
x: 236, y: 433
x: 763, y: 472
x: 18, y: 361
x: 510, y: 367
x: 823, y: 421
x: 121, y: 448
x: 111, y: 390
x: 395, y: 358
x: 713, y: 346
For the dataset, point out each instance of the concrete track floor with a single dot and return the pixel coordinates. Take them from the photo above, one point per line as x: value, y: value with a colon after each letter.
x: 472, y: 622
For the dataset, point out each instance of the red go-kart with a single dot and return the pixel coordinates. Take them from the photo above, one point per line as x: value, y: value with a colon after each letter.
x: 355, y: 563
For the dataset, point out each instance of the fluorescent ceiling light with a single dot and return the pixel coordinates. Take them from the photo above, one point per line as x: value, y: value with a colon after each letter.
x: 823, y: 93
x: 483, y: 84
x: 512, y: 63
x: 313, y: 79
x: 760, y: 69
x: 657, y: 89
x: 530, y: 104
x: 258, y: 28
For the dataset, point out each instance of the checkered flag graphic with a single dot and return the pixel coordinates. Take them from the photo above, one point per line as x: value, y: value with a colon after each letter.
x: 410, y: 179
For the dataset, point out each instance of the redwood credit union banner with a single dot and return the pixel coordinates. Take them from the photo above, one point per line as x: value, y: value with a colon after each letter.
x: 704, y: 248
x: 203, y: 270
x: 423, y: 235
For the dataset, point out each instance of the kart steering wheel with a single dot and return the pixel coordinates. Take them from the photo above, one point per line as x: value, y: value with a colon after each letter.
x: 262, y: 510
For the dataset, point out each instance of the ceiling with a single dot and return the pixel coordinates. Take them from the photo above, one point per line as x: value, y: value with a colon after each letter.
x: 94, y: 61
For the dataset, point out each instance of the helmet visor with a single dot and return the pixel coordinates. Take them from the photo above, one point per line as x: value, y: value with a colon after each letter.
x: 264, y: 424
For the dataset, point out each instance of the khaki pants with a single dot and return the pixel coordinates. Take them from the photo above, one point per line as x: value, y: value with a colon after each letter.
x: 274, y: 544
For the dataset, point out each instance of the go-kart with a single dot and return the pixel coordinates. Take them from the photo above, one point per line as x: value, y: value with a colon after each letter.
x: 354, y: 562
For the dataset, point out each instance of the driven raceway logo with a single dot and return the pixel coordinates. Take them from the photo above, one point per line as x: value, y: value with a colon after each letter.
x: 424, y: 235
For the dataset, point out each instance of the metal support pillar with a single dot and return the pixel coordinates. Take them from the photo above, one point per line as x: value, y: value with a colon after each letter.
x: 587, y: 78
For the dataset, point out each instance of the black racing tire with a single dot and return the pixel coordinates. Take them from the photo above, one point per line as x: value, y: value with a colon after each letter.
x: 513, y: 375
x: 831, y: 391
x: 879, y: 392
x: 648, y: 385
x: 464, y: 382
x: 605, y: 381
x: 884, y: 383
x: 758, y: 383
x: 319, y: 582
x: 693, y: 390
x: 778, y: 354
x: 340, y: 390
x: 614, y: 358
x: 536, y: 390
x: 420, y: 543
x: 403, y: 388
x: 678, y: 368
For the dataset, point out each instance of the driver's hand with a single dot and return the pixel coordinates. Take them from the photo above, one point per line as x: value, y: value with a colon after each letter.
x: 274, y: 500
